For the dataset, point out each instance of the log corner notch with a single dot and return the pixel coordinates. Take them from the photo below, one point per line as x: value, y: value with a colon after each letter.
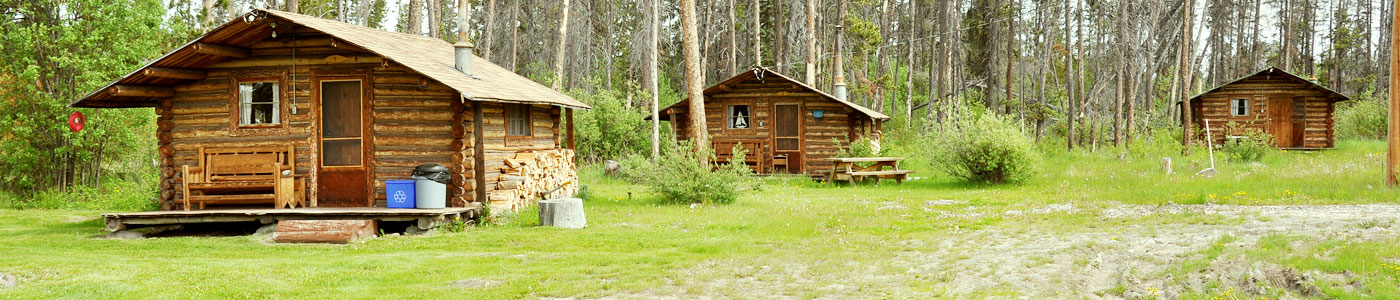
x: 221, y: 50
x: 141, y: 91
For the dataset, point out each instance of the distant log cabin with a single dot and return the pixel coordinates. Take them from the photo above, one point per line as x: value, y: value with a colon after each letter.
x: 785, y: 125
x: 356, y: 105
x: 1296, y: 112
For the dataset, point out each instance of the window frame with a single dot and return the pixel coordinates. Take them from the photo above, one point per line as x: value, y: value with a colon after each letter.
x: 235, y: 118
x: 1234, y: 109
x: 529, y: 122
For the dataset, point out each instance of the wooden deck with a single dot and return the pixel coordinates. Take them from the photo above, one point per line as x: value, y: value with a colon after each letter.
x: 426, y: 218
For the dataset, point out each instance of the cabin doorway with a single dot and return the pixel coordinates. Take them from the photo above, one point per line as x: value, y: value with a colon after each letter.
x: 1281, y: 122
x: 341, y: 180
x: 787, y: 135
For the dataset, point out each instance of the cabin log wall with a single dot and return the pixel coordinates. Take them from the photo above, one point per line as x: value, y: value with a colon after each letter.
x: 1316, y: 115
x: 415, y: 120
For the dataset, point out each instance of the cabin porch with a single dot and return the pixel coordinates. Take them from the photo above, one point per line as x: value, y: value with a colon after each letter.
x: 422, y: 218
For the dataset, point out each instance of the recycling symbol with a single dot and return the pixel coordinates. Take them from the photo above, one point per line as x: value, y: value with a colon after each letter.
x: 399, y: 197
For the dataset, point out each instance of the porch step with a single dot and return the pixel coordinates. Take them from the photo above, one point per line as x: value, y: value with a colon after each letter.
x: 324, y: 231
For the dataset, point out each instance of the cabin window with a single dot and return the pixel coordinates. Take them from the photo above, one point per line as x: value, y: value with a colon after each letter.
x: 1239, y: 107
x: 258, y: 103
x: 518, y: 120
x: 739, y: 117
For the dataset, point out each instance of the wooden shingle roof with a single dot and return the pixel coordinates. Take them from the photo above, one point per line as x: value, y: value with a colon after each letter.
x: 430, y: 57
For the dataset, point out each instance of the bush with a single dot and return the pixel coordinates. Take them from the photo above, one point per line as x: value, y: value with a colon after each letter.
x: 1251, y: 146
x: 681, y: 177
x: 1363, y: 118
x: 986, y: 148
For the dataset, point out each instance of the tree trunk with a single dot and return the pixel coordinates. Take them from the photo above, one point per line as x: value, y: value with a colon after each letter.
x: 757, y: 36
x: 1185, y: 76
x: 292, y: 6
x: 563, y: 40
x: 415, y: 17
x: 1070, y: 112
x: 780, y: 37
x: 515, y: 36
x: 1010, y: 53
x: 909, y: 64
x: 694, y: 76
x: 811, y: 42
x: 434, y: 18
x: 209, y: 13
x: 489, y: 35
x: 653, y: 68
x: 733, y: 40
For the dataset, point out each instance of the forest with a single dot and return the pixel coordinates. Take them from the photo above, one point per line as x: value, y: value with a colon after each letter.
x: 1084, y: 74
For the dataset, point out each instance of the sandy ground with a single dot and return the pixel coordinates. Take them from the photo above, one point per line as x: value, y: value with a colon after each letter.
x: 1107, y: 262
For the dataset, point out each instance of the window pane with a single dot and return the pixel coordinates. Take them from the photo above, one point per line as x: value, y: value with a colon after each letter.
x: 341, y: 153
x: 261, y: 113
x: 263, y: 92
x: 341, y: 109
x: 517, y: 120
x: 739, y: 116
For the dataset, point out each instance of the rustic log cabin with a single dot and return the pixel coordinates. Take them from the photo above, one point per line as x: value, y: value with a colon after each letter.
x: 785, y: 125
x: 1296, y: 112
x: 327, y: 111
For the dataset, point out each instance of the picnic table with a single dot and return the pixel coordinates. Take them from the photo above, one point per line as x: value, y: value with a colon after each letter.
x: 844, y: 168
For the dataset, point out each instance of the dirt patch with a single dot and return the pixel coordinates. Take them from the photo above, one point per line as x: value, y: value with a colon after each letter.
x: 475, y: 283
x: 8, y: 281
x: 1089, y: 262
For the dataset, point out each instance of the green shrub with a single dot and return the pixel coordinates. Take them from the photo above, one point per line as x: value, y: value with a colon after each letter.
x: 986, y: 148
x: 1363, y: 118
x: 858, y: 148
x: 1251, y: 146
x: 682, y: 177
x: 114, y: 194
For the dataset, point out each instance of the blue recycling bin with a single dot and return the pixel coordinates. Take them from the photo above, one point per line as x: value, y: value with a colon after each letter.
x: 400, y: 193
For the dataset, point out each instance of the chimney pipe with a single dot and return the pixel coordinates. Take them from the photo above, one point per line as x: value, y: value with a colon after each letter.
x: 462, y: 50
x: 839, y: 88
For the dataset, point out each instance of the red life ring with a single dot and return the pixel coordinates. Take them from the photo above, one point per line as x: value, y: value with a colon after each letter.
x: 76, y: 121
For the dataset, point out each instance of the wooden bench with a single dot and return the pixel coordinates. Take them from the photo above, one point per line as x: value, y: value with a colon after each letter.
x: 246, y: 175
x: 753, y: 156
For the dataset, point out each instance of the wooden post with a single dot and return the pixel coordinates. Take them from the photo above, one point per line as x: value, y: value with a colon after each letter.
x: 1392, y: 162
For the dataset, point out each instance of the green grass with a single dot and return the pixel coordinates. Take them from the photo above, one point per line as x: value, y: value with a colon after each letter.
x: 634, y: 245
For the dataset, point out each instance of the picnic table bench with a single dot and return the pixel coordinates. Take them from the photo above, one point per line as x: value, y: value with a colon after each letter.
x: 844, y: 168
x: 244, y: 175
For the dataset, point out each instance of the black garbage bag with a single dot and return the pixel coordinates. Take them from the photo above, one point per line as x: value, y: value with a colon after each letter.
x: 435, y: 172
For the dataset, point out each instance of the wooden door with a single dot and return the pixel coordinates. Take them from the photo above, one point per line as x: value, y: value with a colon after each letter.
x: 787, y: 134
x: 342, y: 177
x: 1281, y: 122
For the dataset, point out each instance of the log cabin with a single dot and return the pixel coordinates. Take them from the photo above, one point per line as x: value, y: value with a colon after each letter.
x: 1296, y: 112
x: 354, y: 106
x: 785, y: 125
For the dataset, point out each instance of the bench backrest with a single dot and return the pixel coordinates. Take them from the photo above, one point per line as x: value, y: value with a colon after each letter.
x: 245, y: 163
x: 725, y: 150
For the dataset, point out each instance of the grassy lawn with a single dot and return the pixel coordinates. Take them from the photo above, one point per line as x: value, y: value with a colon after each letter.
x: 931, y: 237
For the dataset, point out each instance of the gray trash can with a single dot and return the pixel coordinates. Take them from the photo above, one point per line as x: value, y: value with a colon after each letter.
x: 430, y: 186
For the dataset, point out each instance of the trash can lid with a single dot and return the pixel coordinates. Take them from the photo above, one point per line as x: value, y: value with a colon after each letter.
x: 430, y: 168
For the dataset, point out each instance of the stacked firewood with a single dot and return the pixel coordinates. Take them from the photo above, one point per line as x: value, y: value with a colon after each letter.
x: 525, y: 178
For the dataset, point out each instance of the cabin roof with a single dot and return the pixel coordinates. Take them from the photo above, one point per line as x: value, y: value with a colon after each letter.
x: 431, y: 57
x: 1272, y: 71
x: 758, y: 71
